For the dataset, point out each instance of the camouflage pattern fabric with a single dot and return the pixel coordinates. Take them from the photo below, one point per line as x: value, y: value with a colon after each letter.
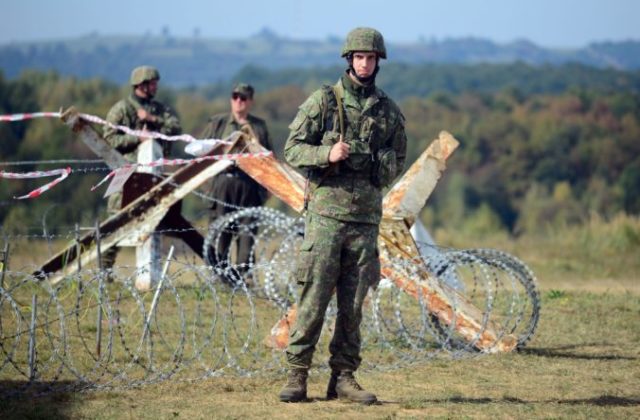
x: 333, y: 255
x: 364, y: 39
x: 373, y: 122
x: 125, y: 113
x: 143, y: 74
x: 339, y: 250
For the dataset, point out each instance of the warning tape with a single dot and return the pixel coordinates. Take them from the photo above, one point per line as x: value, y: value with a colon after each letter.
x: 38, y: 174
x: 28, y: 116
x: 97, y: 120
x: 64, y: 173
x: 177, y: 162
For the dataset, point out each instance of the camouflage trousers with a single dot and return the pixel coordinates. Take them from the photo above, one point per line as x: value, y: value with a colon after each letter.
x: 340, y: 256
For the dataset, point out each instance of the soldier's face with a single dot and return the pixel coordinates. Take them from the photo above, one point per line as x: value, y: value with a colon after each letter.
x: 364, y: 63
x: 240, y: 104
x: 153, y: 88
x: 147, y: 89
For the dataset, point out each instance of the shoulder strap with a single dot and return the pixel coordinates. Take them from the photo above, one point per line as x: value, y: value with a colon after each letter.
x: 338, y: 94
x: 338, y: 91
x: 135, y: 104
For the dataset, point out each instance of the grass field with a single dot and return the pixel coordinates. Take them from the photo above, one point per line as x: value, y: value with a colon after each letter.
x: 583, y: 362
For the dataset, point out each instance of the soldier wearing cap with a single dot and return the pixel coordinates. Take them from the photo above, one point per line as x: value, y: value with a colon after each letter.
x: 138, y: 111
x: 350, y: 140
x: 233, y: 188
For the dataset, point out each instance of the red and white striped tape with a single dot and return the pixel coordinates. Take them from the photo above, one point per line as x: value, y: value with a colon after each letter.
x: 28, y: 116
x: 97, y: 120
x: 139, y: 133
x: 142, y: 133
x: 63, y: 173
x: 177, y: 162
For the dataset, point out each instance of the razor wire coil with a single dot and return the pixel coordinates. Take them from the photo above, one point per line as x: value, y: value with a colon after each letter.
x: 95, y: 330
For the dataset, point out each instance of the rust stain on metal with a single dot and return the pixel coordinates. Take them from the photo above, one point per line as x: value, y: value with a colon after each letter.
x: 277, y: 177
x: 447, y: 304
x: 142, y: 214
x: 279, y: 336
x: 409, y: 194
x: 400, y: 208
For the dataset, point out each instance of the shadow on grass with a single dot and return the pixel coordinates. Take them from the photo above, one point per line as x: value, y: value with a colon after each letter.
x: 601, y: 401
x: 564, y: 352
x: 37, y: 400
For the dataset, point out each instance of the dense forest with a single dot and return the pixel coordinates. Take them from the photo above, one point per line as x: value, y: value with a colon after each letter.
x: 540, y: 146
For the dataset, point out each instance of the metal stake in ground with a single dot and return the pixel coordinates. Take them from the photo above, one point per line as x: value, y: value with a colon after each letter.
x: 32, y: 338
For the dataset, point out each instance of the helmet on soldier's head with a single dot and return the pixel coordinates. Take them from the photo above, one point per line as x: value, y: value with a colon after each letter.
x: 364, y: 39
x: 144, y: 74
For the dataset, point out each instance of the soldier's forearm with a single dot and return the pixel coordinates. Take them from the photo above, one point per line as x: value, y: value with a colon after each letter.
x: 306, y: 156
x: 123, y: 142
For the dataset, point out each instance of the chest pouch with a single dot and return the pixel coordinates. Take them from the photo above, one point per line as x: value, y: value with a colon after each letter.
x: 385, y: 167
x: 360, y: 156
x: 329, y: 138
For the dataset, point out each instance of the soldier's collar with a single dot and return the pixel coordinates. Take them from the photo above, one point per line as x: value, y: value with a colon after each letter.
x: 140, y: 100
x: 355, y: 89
x: 235, y: 120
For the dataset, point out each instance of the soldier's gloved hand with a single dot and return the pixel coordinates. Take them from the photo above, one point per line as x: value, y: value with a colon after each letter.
x: 339, y: 151
x: 145, y: 116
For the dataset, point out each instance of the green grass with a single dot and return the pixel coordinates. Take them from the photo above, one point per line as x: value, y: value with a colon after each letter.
x: 598, y: 256
x: 583, y: 362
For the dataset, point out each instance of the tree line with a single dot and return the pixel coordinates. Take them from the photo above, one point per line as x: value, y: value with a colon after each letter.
x: 529, y: 157
x: 198, y: 60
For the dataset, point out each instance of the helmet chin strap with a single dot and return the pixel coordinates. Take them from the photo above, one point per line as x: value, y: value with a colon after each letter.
x: 369, y: 80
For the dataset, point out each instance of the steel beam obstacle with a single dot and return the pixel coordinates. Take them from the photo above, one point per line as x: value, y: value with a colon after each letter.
x: 156, y: 204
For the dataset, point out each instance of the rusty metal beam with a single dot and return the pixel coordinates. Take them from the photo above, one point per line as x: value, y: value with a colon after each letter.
x: 92, y: 139
x: 408, y: 196
x: 279, y: 178
x: 446, y: 303
x: 401, y: 206
x: 139, y: 217
x: 400, y: 209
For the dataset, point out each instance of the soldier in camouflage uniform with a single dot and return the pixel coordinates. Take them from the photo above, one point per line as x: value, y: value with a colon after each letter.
x: 139, y: 111
x: 233, y: 188
x: 350, y: 139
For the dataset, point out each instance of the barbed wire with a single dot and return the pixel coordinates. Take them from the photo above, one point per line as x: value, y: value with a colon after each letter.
x: 53, y: 161
x: 88, y: 333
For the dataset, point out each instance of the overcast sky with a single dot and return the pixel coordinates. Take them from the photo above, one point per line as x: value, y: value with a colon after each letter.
x: 549, y: 23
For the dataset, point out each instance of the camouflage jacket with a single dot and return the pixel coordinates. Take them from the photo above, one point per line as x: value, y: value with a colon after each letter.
x: 124, y: 113
x: 221, y: 125
x: 373, y: 122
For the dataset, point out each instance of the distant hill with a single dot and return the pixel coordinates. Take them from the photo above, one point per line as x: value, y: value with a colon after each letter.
x: 199, y: 61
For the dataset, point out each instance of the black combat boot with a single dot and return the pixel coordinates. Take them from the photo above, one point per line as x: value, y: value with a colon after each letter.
x: 332, y: 394
x: 347, y: 388
x: 295, y: 390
